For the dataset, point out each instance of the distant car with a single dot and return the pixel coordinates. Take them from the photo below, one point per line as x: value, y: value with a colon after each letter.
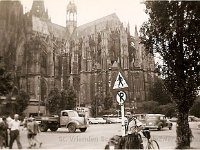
x: 101, y: 120
x: 198, y: 126
x: 193, y: 119
x: 92, y: 121
x: 157, y: 121
x: 108, y: 121
x: 112, y: 119
x: 173, y: 119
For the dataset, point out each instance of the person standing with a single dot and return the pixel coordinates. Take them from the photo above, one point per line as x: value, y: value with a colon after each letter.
x: 134, y: 140
x: 30, y: 132
x: 4, y: 132
x: 35, y: 135
x: 15, y: 132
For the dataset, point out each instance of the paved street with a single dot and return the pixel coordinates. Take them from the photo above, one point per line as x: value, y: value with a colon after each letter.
x: 97, y: 136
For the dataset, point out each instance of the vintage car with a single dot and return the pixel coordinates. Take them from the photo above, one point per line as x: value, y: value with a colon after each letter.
x: 93, y: 121
x: 198, y: 126
x: 67, y: 119
x: 100, y: 120
x: 157, y: 121
x: 112, y: 118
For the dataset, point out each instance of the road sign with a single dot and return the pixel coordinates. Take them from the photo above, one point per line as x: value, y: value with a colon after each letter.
x: 121, y: 97
x: 120, y: 82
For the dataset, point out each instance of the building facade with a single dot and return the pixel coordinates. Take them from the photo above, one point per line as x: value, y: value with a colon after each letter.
x: 42, y: 55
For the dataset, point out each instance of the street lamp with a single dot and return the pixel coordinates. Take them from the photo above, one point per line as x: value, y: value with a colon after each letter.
x: 39, y: 92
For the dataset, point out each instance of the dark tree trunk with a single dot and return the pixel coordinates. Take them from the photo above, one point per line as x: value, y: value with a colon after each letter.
x: 184, y: 133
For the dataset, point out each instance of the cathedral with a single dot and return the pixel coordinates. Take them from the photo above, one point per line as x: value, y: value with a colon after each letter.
x: 42, y: 55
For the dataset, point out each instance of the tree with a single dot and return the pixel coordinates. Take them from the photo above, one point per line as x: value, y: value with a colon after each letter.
x: 61, y: 100
x: 167, y: 109
x: 159, y: 93
x: 6, y: 82
x: 173, y: 31
x: 147, y: 107
x: 108, y: 102
x: 195, y: 108
x: 53, y: 101
x: 22, y: 101
x: 71, y: 98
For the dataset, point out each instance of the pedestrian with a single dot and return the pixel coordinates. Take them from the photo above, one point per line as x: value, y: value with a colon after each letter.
x: 30, y: 132
x: 36, y: 132
x: 15, y: 132
x: 3, y: 133
x: 9, y: 120
x: 133, y: 140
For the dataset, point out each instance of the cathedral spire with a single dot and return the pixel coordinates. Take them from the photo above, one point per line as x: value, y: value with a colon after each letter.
x: 38, y: 9
x: 71, y: 21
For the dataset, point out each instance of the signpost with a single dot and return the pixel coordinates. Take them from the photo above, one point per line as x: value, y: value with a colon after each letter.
x: 120, y: 83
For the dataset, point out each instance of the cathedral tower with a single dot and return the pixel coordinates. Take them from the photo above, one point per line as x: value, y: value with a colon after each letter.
x: 71, y: 22
x: 38, y: 9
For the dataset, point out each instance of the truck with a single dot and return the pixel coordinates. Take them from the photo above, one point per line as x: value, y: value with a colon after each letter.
x: 68, y: 119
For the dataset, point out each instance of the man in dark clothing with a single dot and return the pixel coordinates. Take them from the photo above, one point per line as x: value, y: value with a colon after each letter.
x: 4, y: 132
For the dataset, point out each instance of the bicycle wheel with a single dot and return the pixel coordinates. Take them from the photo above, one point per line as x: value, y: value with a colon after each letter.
x: 153, y: 144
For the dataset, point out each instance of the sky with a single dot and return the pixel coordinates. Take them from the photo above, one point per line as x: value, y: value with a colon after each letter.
x: 131, y: 11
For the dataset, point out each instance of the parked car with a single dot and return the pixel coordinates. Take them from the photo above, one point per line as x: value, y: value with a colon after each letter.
x: 193, y: 119
x: 157, y: 121
x: 112, y: 119
x: 198, y: 126
x: 105, y: 117
x: 100, y: 120
x: 93, y: 121
x: 173, y: 119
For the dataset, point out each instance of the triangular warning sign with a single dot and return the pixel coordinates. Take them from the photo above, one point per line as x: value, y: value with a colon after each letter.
x: 120, y: 82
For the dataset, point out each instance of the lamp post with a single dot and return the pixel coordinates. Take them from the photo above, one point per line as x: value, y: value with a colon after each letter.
x: 39, y: 92
x: 79, y: 98
x: 47, y: 92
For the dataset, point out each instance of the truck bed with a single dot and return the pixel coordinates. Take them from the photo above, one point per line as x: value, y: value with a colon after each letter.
x: 49, y: 118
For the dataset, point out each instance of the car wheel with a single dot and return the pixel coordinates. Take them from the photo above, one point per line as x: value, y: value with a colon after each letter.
x: 72, y: 128
x: 160, y: 127
x: 54, y: 128
x: 83, y: 129
x: 43, y: 127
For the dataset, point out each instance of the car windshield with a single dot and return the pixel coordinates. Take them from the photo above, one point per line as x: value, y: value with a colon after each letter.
x: 73, y: 114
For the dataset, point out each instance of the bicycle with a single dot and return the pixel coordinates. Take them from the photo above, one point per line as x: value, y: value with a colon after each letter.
x: 151, y: 144
x: 118, y: 142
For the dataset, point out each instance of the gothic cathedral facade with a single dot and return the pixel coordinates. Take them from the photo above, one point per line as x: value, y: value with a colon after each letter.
x: 42, y: 55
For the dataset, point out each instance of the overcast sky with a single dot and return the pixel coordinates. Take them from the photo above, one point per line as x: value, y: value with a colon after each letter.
x: 131, y: 11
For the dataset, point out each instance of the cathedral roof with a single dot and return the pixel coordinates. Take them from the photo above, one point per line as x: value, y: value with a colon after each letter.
x: 109, y: 21
x: 49, y: 28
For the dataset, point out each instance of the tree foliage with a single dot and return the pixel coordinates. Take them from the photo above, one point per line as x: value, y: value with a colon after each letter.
x: 147, y: 107
x: 6, y: 82
x: 173, y: 31
x: 22, y: 101
x: 195, y: 108
x: 168, y: 110
x: 53, y: 101
x: 61, y: 100
x: 108, y: 102
x: 159, y: 92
